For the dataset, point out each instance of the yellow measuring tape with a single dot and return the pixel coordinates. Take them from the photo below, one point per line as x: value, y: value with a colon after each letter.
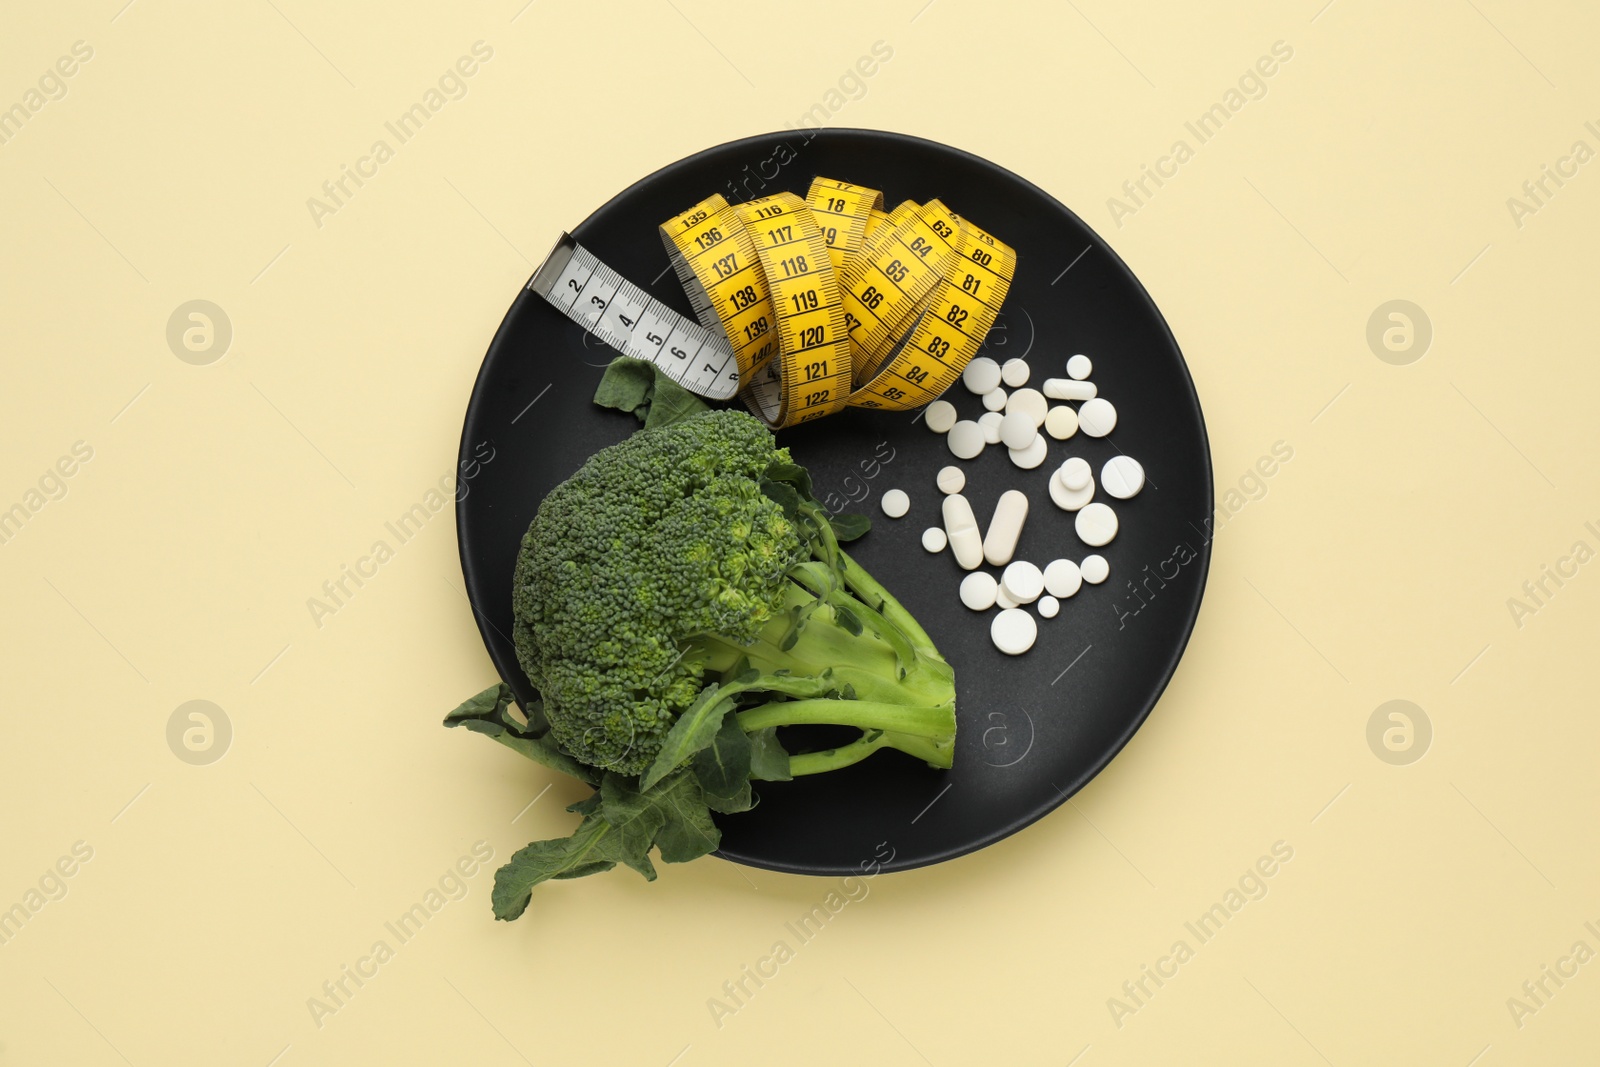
x: 831, y: 302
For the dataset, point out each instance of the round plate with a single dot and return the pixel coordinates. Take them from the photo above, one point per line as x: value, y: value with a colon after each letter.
x: 1033, y: 729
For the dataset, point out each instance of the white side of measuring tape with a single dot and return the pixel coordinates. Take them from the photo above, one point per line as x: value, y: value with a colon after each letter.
x: 629, y: 319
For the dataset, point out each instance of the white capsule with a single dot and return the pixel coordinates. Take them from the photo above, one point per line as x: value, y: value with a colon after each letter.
x: 1022, y: 581
x: 1061, y: 422
x: 1122, y: 477
x: 1013, y: 631
x: 1075, y: 473
x: 981, y: 376
x: 962, y: 527
x: 994, y: 400
x: 1032, y: 456
x: 965, y: 439
x: 1079, y: 367
x: 1048, y: 607
x: 934, y: 539
x: 1069, y: 499
x: 1062, y: 578
x: 978, y: 590
x: 1068, y: 389
x: 1010, y: 512
x: 940, y: 416
x: 1097, y: 417
x: 990, y: 421
x: 1095, y: 569
x: 1014, y: 372
x: 1031, y: 402
x: 951, y: 479
x: 895, y: 503
x: 1017, y: 429
x: 1004, y: 599
x: 1096, y: 524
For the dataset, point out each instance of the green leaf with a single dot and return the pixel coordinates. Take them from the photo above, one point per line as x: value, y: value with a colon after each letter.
x: 768, y: 760
x: 743, y: 800
x: 791, y: 473
x: 848, y: 619
x: 687, y: 831
x: 592, y: 848
x: 695, y: 729
x: 486, y: 714
x: 636, y: 816
x: 849, y: 527
x: 672, y: 403
x: 589, y: 805
x: 723, y: 767
x: 784, y: 495
x: 641, y: 387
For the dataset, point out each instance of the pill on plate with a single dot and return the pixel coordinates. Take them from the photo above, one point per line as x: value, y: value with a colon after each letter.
x: 1014, y: 372
x: 962, y: 527
x: 895, y: 503
x: 1061, y: 422
x: 1075, y: 473
x: 1017, y: 429
x: 981, y: 376
x: 1013, y: 631
x: 978, y: 590
x: 1122, y: 477
x: 1062, y: 578
x: 1048, y: 607
x: 1069, y: 499
x: 1031, y: 402
x: 1032, y: 456
x: 994, y: 399
x: 1097, y: 417
x: 1004, y: 599
x: 1022, y: 581
x: 1068, y: 389
x: 940, y: 416
x: 1095, y: 569
x: 934, y: 539
x: 1005, y: 526
x: 990, y: 421
x: 965, y: 439
x: 1096, y: 524
x: 1079, y: 367
x: 951, y: 479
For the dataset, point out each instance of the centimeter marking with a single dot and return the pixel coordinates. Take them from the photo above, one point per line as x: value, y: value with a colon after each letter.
x: 629, y: 319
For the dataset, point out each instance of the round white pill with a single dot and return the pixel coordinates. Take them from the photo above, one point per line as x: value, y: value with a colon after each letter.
x: 981, y: 376
x: 1076, y: 474
x: 994, y: 400
x: 1062, y: 577
x: 1013, y: 631
x: 940, y: 416
x: 978, y: 590
x: 1048, y: 607
x: 1022, y: 581
x: 1122, y: 477
x: 1079, y: 367
x: 1095, y: 569
x: 1061, y: 422
x: 895, y: 503
x: 1097, y: 417
x: 934, y: 539
x: 1032, y: 456
x: 1030, y: 402
x: 965, y: 439
x: 951, y: 479
x: 1004, y: 599
x: 1096, y: 524
x: 1069, y: 499
x: 1017, y: 429
x: 990, y: 421
x: 1014, y: 372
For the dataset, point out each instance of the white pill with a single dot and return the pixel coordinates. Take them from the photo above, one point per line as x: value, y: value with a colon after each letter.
x: 1022, y: 581
x: 965, y: 439
x: 978, y: 590
x: 1069, y: 499
x: 1095, y: 569
x: 1097, y: 417
x: 1067, y: 389
x: 1032, y: 456
x: 1079, y: 367
x: 951, y: 479
x: 1075, y: 473
x: 1004, y: 599
x: 994, y: 400
x: 895, y: 503
x: 981, y: 376
x: 940, y: 416
x: 1017, y: 429
x: 962, y: 527
x: 1031, y: 402
x: 990, y: 421
x: 1005, y: 526
x: 1014, y: 372
x: 1062, y: 577
x: 1061, y: 422
x: 1096, y: 524
x: 1122, y: 477
x: 1048, y: 607
x: 1013, y: 631
x: 934, y: 539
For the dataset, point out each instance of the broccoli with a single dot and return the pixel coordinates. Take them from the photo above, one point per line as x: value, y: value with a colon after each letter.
x: 676, y: 602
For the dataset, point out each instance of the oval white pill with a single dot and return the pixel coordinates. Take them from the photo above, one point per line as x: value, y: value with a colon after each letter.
x: 1022, y: 581
x: 1096, y: 524
x: 1031, y: 402
x: 1032, y: 456
x: 1097, y: 417
x: 1017, y: 429
x: 1014, y: 372
x: 1004, y: 599
x: 1061, y: 422
x: 1095, y: 569
x: 1075, y: 473
x: 1048, y: 607
x: 1062, y: 577
x: 1067, y: 389
x: 978, y: 590
x: 1005, y: 526
x: 934, y: 539
x: 1079, y: 367
x: 940, y: 416
x: 962, y: 527
x: 1069, y: 499
x: 1122, y: 477
x: 951, y: 479
x: 990, y: 421
x: 994, y: 399
x: 895, y: 503
x: 981, y: 376
x: 965, y: 439
x: 1013, y: 631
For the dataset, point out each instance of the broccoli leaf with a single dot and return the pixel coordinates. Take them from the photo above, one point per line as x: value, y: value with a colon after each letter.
x: 688, y: 832
x: 847, y: 527
x: 695, y: 729
x: 723, y: 767
x: 486, y: 714
x: 637, y: 819
x: 768, y: 760
x: 641, y: 387
x: 593, y: 847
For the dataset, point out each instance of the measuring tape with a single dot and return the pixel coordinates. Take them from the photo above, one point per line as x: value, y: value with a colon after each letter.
x: 810, y: 305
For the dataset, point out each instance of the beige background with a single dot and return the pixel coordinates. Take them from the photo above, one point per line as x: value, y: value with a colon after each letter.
x: 1376, y: 566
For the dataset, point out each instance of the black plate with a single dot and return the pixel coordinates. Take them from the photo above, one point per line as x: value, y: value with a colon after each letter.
x: 1031, y: 731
